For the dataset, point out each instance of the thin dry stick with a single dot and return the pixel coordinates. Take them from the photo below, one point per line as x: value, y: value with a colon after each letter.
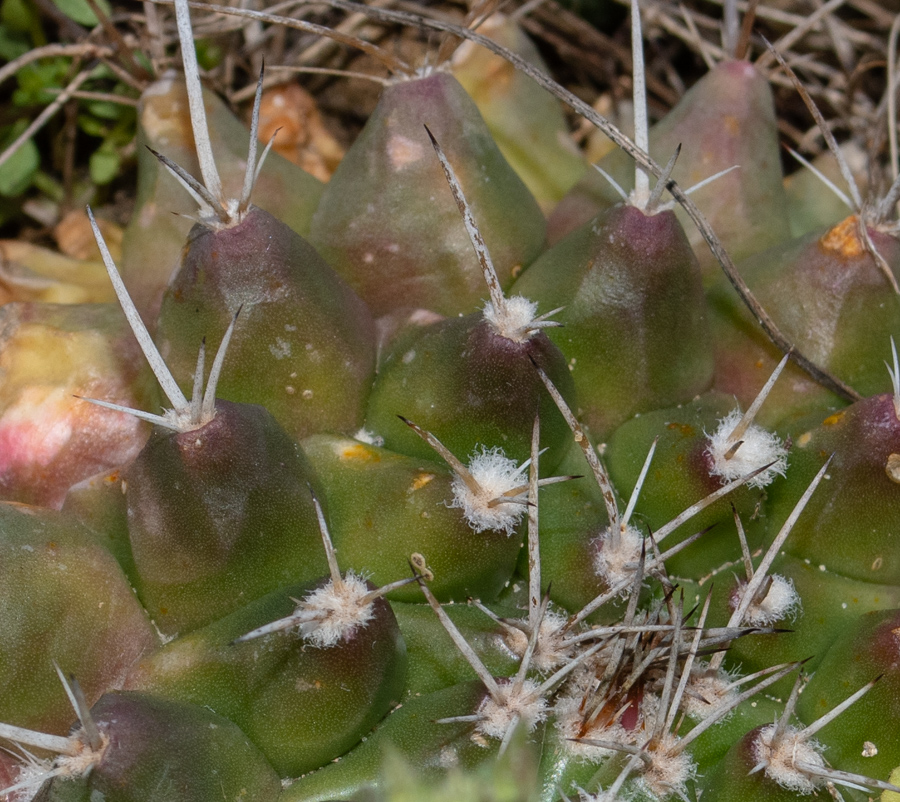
x: 106, y: 97
x: 41, y: 120
x: 320, y: 71
x: 390, y: 61
x: 818, y: 374
x: 789, y: 39
x: 157, y: 46
x: 50, y: 51
x: 743, y: 42
x: 892, y: 95
x: 699, y: 42
x: 315, y: 53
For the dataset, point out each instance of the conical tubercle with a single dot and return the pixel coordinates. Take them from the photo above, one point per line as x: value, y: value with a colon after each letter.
x: 791, y: 758
x: 642, y: 197
x: 325, y: 616
x: 874, y: 213
x: 215, y: 209
x: 515, y: 318
x: 185, y: 415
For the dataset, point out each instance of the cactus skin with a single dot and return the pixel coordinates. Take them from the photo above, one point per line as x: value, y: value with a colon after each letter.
x: 65, y: 599
x: 380, y: 212
x: 634, y: 319
x: 307, y: 705
x: 302, y: 338
x: 155, y: 236
x: 156, y: 746
x: 384, y: 506
x: 219, y: 525
x: 488, y: 397
x: 219, y: 516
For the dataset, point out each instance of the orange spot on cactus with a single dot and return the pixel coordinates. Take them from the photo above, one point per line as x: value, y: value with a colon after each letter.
x: 732, y: 124
x: 685, y: 429
x: 758, y: 363
x: 421, y: 480
x: 844, y: 238
x: 803, y: 439
x: 831, y: 420
x: 360, y: 453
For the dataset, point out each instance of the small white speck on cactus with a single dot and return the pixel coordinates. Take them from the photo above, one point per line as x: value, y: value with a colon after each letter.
x: 757, y: 448
x: 739, y: 447
x: 616, y: 559
x: 779, y: 602
x: 485, y: 508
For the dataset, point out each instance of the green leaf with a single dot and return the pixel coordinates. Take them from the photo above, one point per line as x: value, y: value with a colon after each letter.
x: 92, y: 126
x: 17, y: 15
x: 12, y: 44
x: 17, y: 172
x: 81, y: 12
x: 104, y: 164
x: 104, y: 109
x: 36, y: 78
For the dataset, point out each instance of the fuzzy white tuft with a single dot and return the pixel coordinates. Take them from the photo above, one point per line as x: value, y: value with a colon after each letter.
x: 758, y: 448
x: 518, y: 704
x: 34, y: 771
x: 781, y: 601
x: 550, y: 651
x: 669, y: 770
x: 782, y: 756
x: 495, y: 474
x: 515, y: 319
x: 335, y: 611
x: 614, y: 563
x: 569, y: 713
x: 706, y: 694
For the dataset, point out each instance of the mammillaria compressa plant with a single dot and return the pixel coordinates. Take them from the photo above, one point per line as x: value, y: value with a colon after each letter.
x: 465, y: 507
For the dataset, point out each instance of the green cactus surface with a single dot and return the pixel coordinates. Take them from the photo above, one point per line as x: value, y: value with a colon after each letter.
x: 475, y: 474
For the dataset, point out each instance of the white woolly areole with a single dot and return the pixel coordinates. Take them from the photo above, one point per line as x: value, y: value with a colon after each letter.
x: 495, y: 474
x: 781, y: 758
x: 569, y: 714
x: 758, y: 448
x: 515, y: 320
x: 550, y: 652
x: 615, y: 563
x: 337, y: 610
x: 706, y: 693
x: 782, y: 601
x: 34, y: 772
x: 524, y: 706
x: 669, y: 770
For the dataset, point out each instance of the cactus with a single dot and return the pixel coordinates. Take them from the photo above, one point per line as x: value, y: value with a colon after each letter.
x: 454, y: 513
